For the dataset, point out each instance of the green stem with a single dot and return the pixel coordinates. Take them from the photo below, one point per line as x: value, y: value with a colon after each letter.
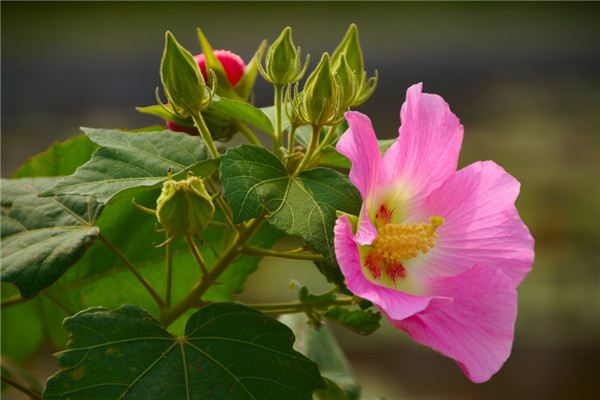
x: 169, y: 274
x: 292, y: 254
x: 133, y: 270
x: 292, y: 139
x: 290, y: 308
x: 325, y: 142
x: 248, y: 134
x: 205, y: 134
x: 278, y: 140
x: 314, y: 141
x: 197, y: 255
x: 22, y: 388
x: 13, y: 300
x: 194, y: 297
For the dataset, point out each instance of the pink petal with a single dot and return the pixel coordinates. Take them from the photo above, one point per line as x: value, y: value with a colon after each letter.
x: 366, y: 231
x: 426, y: 152
x: 477, y: 328
x: 395, y: 304
x: 359, y: 145
x: 482, y: 225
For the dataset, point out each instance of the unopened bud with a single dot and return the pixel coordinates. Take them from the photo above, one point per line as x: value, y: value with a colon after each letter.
x: 283, y: 65
x: 319, y: 103
x: 350, y: 48
x: 183, y: 83
x: 184, y: 208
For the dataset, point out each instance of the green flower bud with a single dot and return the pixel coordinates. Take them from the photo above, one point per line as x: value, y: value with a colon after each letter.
x: 182, y: 81
x: 320, y: 103
x: 347, y: 82
x: 283, y: 65
x: 184, y: 207
x: 350, y: 48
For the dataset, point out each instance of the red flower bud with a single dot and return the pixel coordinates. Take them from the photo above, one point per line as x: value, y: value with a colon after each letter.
x: 232, y: 64
x: 178, y: 128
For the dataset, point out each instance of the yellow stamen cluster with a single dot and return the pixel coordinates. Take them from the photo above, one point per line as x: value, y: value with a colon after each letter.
x: 397, y: 242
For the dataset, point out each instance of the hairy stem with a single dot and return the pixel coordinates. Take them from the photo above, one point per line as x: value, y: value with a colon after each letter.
x: 278, y: 140
x: 169, y: 272
x: 314, y: 141
x: 297, y: 254
x: 194, y: 297
x: 197, y: 255
x: 292, y: 139
x: 22, y: 388
x: 297, y: 307
x: 205, y: 135
x: 13, y: 300
x: 133, y: 270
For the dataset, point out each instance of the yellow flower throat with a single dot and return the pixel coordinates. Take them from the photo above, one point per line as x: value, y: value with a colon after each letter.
x: 396, y: 243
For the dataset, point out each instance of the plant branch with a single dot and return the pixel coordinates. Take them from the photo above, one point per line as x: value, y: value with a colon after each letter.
x: 277, y: 141
x: 228, y: 256
x: 22, y: 388
x: 13, y: 300
x: 297, y: 254
x: 133, y: 270
x: 314, y: 141
x: 205, y: 134
x: 169, y: 272
x: 296, y: 307
x: 197, y: 255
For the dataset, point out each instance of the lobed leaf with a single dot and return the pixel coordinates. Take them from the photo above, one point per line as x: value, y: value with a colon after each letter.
x: 42, y: 237
x: 254, y: 180
x: 132, y: 162
x: 228, y: 352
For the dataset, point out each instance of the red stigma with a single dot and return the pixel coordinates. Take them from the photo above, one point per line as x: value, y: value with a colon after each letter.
x: 384, y: 215
x: 233, y: 65
x: 395, y: 271
x: 373, y: 263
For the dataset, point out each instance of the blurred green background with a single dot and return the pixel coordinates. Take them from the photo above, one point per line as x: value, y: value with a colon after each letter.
x: 523, y: 78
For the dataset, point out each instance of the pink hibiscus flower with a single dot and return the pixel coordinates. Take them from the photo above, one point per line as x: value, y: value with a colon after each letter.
x: 439, y: 251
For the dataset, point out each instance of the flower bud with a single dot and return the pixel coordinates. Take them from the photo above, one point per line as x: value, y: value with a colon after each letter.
x: 182, y: 81
x: 233, y: 65
x: 282, y: 64
x: 319, y: 103
x: 184, y: 207
x: 350, y: 48
x: 346, y: 81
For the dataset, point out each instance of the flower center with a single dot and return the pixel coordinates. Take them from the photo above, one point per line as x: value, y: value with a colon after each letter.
x: 397, y: 243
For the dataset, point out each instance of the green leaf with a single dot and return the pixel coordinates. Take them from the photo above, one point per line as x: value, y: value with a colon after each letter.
x: 322, y: 347
x: 134, y: 162
x: 60, y: 159
x: 42, y: 237
x: 363, y: 322
x: 228, y: 352
x: 242, y: 111
x: 212, y: 62
x: 222, y: 107
x: 254, y: 180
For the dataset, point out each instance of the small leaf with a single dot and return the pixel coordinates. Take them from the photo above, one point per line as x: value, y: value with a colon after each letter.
x: 363, y: 322
x: 228, y: 352
x: 42, y: 237
x: 160, y: 112
x: 305, y: 205
x: 134, y: 162
x: 322, y: 347
x: 246, y: 83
